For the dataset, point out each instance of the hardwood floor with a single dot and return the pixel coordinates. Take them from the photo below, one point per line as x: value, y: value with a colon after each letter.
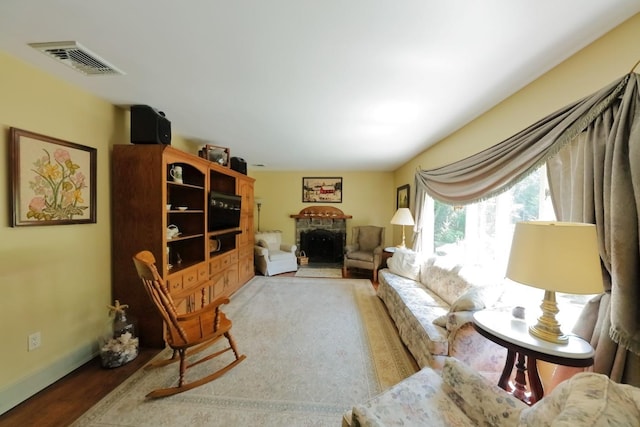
x: 68, y: 398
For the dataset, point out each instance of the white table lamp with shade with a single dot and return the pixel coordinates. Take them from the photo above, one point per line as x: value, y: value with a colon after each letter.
x: 556, y: 257
x: 402, y: 217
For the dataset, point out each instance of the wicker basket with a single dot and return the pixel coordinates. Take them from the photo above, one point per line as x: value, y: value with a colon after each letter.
x: 303, y: 259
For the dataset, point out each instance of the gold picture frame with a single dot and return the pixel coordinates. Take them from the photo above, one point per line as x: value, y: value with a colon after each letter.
x: 53, y: 182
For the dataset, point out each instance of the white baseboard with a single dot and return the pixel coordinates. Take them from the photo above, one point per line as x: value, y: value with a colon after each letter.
x: 18, y: 392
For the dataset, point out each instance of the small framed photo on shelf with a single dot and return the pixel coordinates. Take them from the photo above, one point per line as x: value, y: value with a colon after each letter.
x: 402, y: 196
x: 322, y: 190
x: 215, y: 154
x: 53, y: 182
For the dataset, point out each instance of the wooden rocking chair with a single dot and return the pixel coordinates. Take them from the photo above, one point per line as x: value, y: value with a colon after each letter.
x: 188, y: 333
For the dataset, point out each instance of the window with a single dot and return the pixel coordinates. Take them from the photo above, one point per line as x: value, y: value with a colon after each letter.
x: 479, y: 235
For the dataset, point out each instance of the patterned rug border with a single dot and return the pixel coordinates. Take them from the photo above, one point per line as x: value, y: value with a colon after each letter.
x: 383, y: 340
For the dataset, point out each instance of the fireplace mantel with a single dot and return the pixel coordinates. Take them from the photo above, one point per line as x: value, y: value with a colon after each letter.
x: 321, y: 212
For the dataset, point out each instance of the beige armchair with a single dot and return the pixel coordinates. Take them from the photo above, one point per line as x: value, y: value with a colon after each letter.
x: 365, y: 250
x: 271, y: 256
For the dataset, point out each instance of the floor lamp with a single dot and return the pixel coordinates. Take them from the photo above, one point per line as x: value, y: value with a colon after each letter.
x: 258, y: 201
x: 402, y: 217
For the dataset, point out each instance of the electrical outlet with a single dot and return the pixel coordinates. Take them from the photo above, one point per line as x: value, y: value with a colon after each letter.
x: 34, y: 341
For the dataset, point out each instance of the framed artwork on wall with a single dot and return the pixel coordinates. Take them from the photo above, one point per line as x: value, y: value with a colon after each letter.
x: 322, y: 190
x: 53, y: 182
x: 402, y: 197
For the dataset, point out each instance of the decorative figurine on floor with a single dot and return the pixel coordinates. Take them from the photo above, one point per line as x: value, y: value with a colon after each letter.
x: 120, y: 346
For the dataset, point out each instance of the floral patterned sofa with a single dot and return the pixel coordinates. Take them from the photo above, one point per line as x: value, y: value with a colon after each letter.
x: 432, y: 305
x: 462, y: 397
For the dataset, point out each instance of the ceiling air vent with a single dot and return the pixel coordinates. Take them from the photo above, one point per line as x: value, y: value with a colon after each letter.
x: 76, y: 56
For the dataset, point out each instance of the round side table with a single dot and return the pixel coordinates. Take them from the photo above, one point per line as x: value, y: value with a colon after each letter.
x: 513, y: 334
x: 386, y: 254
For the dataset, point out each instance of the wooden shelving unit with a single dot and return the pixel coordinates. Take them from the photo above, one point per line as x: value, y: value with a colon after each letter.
x: 195, y: 275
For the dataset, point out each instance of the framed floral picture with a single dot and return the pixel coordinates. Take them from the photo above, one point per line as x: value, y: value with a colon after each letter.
x: 322, y: 189
x: 402, y: 196
x: 53, y: 182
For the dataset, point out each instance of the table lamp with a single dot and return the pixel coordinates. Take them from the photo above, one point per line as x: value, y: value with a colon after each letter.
x: 557, y: 257
x: 402, y: 217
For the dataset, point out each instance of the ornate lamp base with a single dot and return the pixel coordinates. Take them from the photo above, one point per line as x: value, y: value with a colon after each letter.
x: 548, y: 328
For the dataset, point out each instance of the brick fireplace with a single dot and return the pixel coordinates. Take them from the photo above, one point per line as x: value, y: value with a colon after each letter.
x: 321, y: 232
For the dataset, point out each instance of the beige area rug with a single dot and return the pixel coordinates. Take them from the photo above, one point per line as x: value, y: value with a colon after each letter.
x: 327, y: 273
x: 314, y: 347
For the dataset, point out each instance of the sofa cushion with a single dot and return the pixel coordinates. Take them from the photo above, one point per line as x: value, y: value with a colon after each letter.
x: 444, y: 281
x: 586, y: 399
x: 279, y: 255
x: 405, y: 263
x: 413, y: 309
x: 482, y: 401
x: 416, y: 401
x: 361, y: 256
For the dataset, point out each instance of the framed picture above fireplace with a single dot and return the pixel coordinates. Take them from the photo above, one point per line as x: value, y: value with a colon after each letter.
x: 322, y: 189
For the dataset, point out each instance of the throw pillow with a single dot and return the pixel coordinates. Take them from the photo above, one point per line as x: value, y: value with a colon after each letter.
x: 405, y: 263
x: 441, y: 321
x: 477, y: 298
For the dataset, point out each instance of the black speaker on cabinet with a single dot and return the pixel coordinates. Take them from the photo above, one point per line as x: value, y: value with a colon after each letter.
x: 239, y: 165
x: 149, y: 126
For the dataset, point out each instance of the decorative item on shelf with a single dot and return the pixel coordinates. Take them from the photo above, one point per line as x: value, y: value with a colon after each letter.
x: 176, y: 174
x: 402, y: 217
x: 557, y: 257
x: 120, y: 345
x: 182, y: 208
x: 172, y: 231
x: 213, y: 153
x: 303, y: 259
x: 215, y: 245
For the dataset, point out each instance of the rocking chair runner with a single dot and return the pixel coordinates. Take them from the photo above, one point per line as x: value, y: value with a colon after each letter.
x: 188, y: 333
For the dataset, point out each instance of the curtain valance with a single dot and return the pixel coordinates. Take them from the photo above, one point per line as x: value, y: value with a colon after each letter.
x: 494, y: 170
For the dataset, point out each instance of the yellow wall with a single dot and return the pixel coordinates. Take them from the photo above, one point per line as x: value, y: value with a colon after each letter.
x: 368, y: 196
x: 53, y: 279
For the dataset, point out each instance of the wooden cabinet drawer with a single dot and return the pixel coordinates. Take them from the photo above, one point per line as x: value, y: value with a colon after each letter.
x: 203, y: 272
x: 189, y: 278
x: 215, y: 265
x: 175, y: 283
x: 225, y: 261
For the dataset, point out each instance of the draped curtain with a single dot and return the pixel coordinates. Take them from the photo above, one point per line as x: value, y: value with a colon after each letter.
x: 592, y: 152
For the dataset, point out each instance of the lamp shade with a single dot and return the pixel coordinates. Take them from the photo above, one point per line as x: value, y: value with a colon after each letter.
x: 556, y: 256
x: 257, y: 200
x: 402, y: 217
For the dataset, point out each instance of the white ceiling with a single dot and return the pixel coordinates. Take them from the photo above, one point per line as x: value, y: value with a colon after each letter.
x: 313, y: 85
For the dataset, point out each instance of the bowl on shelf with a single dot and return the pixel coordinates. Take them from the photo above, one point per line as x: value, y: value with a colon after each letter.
x: 182, y: 208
